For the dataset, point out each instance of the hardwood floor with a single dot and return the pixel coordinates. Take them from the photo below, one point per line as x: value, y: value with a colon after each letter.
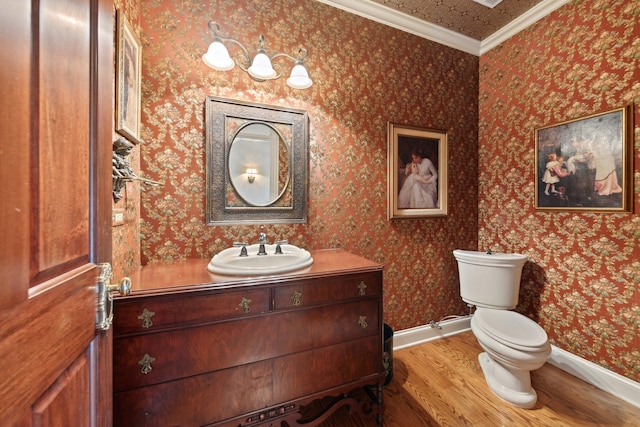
x: 440, y: 383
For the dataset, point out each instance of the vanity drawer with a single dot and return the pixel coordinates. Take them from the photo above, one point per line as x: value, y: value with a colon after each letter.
x: 248, y: 389
x: 147, y: 359
x: 327, y: 290
x: 152, y: 314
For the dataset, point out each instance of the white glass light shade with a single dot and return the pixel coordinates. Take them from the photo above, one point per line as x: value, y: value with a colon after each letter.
x: 299, y: 78
x: 261, y: 67
x: 217, y: 57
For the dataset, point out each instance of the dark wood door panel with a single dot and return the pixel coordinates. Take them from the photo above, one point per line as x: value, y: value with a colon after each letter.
x: 56, y: 71
x: 66, y: 402
x: 61, y: 203
x: 39, y: 339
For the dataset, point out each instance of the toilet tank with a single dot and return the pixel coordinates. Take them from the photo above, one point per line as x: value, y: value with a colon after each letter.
x: 490, y: 280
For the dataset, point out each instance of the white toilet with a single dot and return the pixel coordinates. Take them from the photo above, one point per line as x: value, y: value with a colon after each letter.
x: 514, y: 344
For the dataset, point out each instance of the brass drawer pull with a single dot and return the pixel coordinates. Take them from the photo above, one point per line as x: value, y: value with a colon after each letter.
x: 145, y: 362
x: 146, y: 318
x: 362, y: 289
x: 363, y: 322
x: 296, y: 298
x: 245, y: 304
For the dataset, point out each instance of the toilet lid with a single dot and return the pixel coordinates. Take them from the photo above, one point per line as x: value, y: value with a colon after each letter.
x: 511, y: 328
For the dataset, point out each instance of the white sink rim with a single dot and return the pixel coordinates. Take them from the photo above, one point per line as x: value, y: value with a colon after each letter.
x: 228, y: 262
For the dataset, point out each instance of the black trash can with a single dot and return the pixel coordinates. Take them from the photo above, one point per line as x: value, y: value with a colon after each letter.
x: 387, y: 356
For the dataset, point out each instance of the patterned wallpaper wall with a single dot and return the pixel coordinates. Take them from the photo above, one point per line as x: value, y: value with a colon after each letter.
x: 126, y: 236
x: 582, y: 281
x: 365, y: 74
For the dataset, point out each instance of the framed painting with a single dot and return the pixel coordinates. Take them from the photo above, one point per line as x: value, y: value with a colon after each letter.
x: 128, y: 80
x: 585, y: 164
x: 416, y: 172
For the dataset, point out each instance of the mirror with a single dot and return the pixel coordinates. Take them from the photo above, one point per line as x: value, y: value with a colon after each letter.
x: 259, y: 164
x: 256, y: 163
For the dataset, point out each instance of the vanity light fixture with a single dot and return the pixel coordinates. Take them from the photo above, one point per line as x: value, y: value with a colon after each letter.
x: 260, y: 68
x: 251, y: 174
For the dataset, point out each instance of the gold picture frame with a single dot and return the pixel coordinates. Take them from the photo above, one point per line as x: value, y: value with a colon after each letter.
x: 585, y: 164
x: 416, y: 172
x: 128, y: 80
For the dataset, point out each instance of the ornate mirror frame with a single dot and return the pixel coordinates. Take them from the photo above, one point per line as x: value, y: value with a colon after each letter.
x: 224, y: 205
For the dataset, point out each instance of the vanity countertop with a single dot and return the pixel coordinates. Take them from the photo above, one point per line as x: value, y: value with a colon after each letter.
x: 192, y: 274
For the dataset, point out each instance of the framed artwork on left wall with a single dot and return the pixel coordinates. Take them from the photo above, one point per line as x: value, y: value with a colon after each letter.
x: 128, y: 80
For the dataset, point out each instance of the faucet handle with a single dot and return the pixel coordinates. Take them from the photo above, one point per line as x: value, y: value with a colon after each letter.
x: 243, y: 251
x: 278, y: 243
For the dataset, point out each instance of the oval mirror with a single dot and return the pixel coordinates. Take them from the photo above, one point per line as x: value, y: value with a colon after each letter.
x: 259, y: 164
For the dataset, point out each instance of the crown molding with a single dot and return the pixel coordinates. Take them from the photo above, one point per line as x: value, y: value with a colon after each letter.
x: 401, y: 21
x: 528, y: 18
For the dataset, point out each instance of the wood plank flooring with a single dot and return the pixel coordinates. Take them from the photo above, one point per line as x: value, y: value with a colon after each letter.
x: 440, y: 383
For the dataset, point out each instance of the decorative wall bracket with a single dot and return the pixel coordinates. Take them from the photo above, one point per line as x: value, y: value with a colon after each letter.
x: 121, y: 171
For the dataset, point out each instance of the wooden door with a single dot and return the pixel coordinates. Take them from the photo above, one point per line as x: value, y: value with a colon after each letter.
x: 56, y: 68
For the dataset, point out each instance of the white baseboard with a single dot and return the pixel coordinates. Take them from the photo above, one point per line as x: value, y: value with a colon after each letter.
x: 606, y: 380
x: 421, y: 334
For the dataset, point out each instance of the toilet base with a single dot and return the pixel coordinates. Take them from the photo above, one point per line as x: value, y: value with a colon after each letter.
x: 512, y: 386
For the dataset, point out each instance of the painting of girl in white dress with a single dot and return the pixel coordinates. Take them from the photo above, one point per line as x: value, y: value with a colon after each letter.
x: 417, y: 169
x: 420, y: 185
x: 596, y: 173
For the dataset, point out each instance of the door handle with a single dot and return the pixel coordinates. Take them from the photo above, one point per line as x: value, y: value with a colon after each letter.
x: 104, y: 310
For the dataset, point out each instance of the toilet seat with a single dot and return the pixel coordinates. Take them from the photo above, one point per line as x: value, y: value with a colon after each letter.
x: 511, y: 329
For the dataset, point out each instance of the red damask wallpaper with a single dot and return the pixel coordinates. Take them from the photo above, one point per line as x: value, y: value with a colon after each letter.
x: 126, y: 234
x: 582, y: 281
x: 365, y: 75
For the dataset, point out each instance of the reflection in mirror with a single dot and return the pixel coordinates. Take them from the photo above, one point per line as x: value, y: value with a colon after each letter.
x: 259, y: 164
x: 256, y: 163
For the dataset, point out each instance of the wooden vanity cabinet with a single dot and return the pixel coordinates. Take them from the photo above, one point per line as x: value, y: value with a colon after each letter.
x: 216, y: 351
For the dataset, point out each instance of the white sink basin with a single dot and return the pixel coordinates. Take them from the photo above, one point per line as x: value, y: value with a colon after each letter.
x: 229, y: 261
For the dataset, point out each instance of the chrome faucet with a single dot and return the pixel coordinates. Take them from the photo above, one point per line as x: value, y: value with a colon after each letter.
x: 262, y: 239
